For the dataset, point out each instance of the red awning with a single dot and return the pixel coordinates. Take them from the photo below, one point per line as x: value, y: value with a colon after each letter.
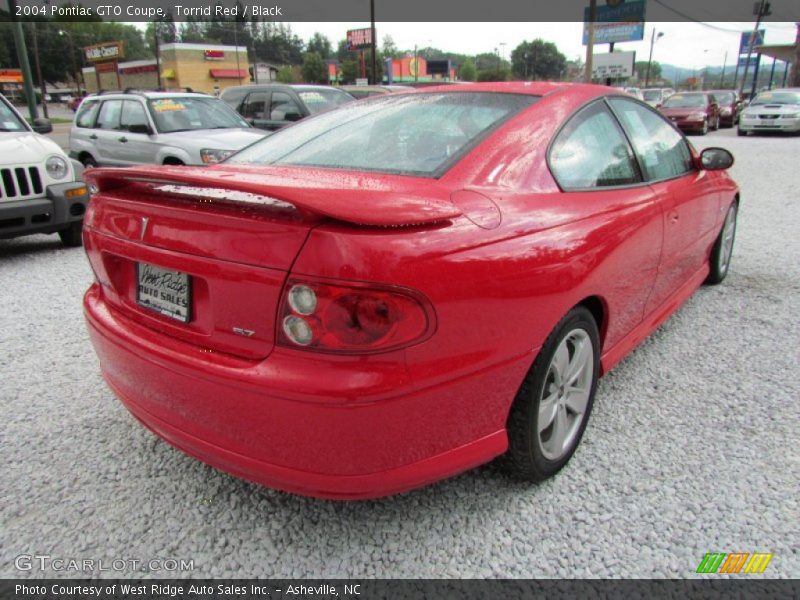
x: 229, y: 73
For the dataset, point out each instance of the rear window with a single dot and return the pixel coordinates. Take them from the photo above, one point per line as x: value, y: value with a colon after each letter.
x: 414, y: 134
x: 320, y: 100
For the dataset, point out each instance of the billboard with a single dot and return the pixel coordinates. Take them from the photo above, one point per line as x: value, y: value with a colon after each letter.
x: 744, y: 43
x: 358, y: 39
x: 621, y: 23
x: 439, y: 67
x: 613, y: 65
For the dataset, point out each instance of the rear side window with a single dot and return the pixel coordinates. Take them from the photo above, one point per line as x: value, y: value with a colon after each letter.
x: 663, y: 152
x: 87, y: 113
x: 109, y: 114
x: 591, y: 152
x: 283, y: 104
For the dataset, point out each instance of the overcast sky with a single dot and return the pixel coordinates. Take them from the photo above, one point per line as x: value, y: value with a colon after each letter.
x: 690, y: 45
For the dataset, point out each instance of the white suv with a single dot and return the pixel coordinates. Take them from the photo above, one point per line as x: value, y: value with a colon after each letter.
x: 40, y: 188
x: 136, y: 127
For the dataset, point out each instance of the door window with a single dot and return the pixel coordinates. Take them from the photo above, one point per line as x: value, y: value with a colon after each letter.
x: 132, y: 114
x: 663, y: 152
x: 253, y: 107
x: 109, y: 114
x: 592, y: 152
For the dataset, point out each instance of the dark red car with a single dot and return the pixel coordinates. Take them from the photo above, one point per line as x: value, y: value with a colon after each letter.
x: 692, y: 111
x: 729, y: 107
x: 404, y: 288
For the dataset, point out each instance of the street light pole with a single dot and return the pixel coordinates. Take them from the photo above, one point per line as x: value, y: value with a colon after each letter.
x: 42, y: 84
x: 753, y: 36
x: 650, y: 59
x: 590, y: 41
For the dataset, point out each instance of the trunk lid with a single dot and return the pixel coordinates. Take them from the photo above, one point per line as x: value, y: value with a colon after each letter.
x: 235, y: 232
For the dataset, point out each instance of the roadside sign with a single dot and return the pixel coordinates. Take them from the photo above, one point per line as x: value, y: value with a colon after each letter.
x: 753, y: 61
x: 613, y: 65
x: 104, y: 51
x: 744, y: 43
x: 621, y: 23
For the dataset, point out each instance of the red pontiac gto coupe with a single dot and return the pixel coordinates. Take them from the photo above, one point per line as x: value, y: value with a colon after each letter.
x: 390, y: 293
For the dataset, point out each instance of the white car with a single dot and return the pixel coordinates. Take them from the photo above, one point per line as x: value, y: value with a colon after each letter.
x: 774, y: 110
x: 163, y: 128
x: 656, y: 96
x: 40, y: 188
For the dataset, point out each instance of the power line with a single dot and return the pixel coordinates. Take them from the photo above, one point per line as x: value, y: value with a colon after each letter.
x: 688, y: 18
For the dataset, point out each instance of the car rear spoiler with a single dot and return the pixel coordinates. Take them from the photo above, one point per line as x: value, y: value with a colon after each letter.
x: 372, y: 205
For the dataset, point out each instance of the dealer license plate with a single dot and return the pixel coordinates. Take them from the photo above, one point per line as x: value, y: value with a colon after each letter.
x: 166, y: 292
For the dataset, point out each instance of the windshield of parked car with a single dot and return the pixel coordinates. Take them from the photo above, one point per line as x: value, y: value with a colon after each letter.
x: 652, y: 94
x: 686, y: 101
x: 9, y: 121
x: 777, y: 98
x: 187, y: 113
x: 725, y: 97
x: 409, y: 134
x: 321, y: 99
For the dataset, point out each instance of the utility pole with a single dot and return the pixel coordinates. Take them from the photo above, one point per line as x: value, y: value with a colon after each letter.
x: 22, y: 56
x: 762, y: 10
x: 375, y: 80
x: 653, y: 39
x: 42, y: 84
x: 158, y: 52
x: 590, y: 41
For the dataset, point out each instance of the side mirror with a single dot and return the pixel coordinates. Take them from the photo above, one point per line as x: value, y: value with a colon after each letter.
x: 659, y: 105
x: 716, y: 159
x: 139, y: 128
x: 42, y: 125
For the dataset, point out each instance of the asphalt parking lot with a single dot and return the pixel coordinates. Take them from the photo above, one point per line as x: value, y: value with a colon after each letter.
x: 693, y: 446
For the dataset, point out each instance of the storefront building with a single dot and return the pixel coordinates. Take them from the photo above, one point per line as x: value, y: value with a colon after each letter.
x: 205, y: 68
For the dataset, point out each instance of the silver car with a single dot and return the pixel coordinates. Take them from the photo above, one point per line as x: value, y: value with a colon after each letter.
x: 132, y: 128
x: 773, y: 110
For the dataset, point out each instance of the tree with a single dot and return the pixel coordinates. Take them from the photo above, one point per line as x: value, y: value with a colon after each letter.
x: 467, y: 72
x: 321, y: 45
x: 314, y: 68
x: 164, y: 28
x: 501, y: 73
x: 389, y: 48
x: 349, y: 71
x: 641, y: 70
x: 538, y: 60
x: 285, y: 74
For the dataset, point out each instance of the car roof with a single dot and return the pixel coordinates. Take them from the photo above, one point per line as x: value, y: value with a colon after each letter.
x: 148, y: 95
x: 532, y: 88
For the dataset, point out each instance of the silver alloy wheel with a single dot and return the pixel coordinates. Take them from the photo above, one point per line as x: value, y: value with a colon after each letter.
x: 728, y: 231
x: 565, y: 394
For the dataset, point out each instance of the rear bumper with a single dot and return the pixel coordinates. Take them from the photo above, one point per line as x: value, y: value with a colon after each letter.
x: 342, y: 430
x: 43, y: 215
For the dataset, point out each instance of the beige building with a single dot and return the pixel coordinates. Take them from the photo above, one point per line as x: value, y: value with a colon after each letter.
x: 206, y: 68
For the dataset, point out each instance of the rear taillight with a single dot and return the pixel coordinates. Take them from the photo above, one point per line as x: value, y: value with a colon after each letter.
x: 352, y: 318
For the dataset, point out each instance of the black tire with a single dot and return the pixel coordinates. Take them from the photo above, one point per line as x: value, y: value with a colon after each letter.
x: 72, y: 237
x: 716, y: 124
x: 525, y: 458
x: 720, y: 264
x: 740, y: 133
x: 88, y: 161
x: 174, y: 162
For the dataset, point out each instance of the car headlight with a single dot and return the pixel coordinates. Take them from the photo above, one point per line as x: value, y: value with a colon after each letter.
x: 56, y: 167
x: 212, y: 156
x: 791, y: 116
x: 697, y: 115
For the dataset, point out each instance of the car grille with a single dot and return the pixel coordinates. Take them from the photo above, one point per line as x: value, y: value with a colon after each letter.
x: 768, y: 116
x: 20, y: 183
